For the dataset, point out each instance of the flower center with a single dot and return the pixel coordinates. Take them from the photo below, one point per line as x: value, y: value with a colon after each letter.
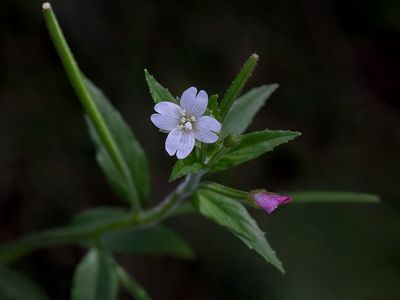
x: 186, y: 122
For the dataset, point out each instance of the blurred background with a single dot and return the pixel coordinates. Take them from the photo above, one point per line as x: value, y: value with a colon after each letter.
x: 338, y: 66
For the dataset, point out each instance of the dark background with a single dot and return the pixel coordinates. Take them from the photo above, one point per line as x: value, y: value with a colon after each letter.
x: 337, y: 63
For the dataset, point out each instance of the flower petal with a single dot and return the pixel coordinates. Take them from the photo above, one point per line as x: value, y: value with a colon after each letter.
x: 200, y: 105
x: 172, y: 141
x: 203, y: 129
x: 188, y: 97
x: 195, y: 105
x: 269, y: 206
x: 166, y: 108
x: 164, y: 122
x: 205, y: 136
x: 209, y: 123
x: 270, y: 201
x: 186, y: 145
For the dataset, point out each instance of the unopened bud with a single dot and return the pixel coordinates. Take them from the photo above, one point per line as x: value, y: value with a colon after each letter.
x: 232, y: 140
x: 269, y: 201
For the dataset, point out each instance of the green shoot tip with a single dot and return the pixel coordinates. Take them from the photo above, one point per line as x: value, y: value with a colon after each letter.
x: 46, y: 5
x: 255, y: 56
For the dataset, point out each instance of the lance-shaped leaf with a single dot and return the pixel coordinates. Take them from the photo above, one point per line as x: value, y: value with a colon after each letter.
x: 158, y: 240
x: 157, y: 91
x: 243, y: 110
x: 185, y: 166
x: 237, y: 84
x: 131, y: 180
x: 83, y: 228
x: 233, y: 216
x: 132, y: 286
x: 333, y: 197
x: 14, y: 286
x: 47, y: 238
x: 95, y: 277
x: 252, y: 145
x: 100, y: 215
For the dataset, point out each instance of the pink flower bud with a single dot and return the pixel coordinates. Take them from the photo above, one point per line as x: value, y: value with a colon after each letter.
x: 270, y: 201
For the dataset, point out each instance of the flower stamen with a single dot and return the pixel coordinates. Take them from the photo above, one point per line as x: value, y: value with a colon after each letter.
x: 188, y: 126
x: 186, y: 122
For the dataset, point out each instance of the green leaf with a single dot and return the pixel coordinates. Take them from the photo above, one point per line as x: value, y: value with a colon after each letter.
x: 213, y: 107
x: 234, y: 217
x: 237, y: 85
x: 83, y: 228
x: 157, y: 91
x: 252, y: 145
x: 95, y: 277
x: 158, y: 240
x: 52, y: 237
x: 333, y: 197
x: 100, y: 215
x: 131, y: 182
x: 185, y: 166
x: 132, y: 286
x: 243, y: 110
x: 14, y: 286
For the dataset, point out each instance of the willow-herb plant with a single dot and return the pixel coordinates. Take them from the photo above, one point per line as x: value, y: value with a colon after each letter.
x: 206, y: 135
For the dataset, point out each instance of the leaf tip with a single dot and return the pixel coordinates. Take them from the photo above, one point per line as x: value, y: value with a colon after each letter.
x: 148, y: 76
x: 188, y: 254
x: 279, y: 265
x: 275, y: 85
x: 294, y: 134
x: 282, y: 270
x: 297, y: 133
x: 376, y: 199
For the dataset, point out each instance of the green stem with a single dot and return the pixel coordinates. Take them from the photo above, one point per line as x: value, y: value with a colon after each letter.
x: 77, y: 80
x: 203, y: 152
x: 216, y: 155
x: 59, y: 236
x: 229, y: 143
